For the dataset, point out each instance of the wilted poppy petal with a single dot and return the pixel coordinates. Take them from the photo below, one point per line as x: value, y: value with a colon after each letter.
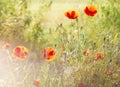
x: 99, y: 55
x: 86, y: 53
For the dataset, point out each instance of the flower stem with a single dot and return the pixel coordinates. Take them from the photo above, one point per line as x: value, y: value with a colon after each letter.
x: 10, y: 58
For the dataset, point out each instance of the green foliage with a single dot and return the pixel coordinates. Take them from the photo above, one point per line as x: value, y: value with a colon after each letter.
x: 111, y: 14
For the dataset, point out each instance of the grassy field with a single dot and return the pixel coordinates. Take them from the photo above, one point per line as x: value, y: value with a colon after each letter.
x: 41, y: 46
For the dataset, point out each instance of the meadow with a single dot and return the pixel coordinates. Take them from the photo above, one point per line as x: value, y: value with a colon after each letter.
x: 59, y: 43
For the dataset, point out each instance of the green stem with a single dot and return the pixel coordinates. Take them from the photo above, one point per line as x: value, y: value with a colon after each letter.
x: 10, y: 58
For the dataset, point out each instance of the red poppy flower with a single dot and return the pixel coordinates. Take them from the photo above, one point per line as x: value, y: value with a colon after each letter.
x: 99, y: 55
x: 6, y: 46
x: 109, y: 73
x: 49, y: 54
x: 86, y: 53
x: 81, y: 85
x: 20, y: 52
x: 36, y: 83
x: 90, y: 10
x: 71, y: 14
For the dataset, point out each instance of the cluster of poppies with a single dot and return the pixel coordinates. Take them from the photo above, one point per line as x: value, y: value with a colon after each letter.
x: 49, y: 53
x: 21, y: 52
x: 89, y: 10
x: 98, y: 56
